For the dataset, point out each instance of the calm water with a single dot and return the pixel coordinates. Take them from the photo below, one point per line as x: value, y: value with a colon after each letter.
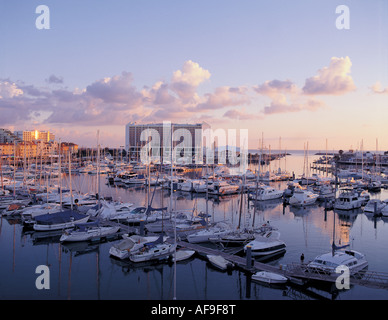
x: 81, y: 271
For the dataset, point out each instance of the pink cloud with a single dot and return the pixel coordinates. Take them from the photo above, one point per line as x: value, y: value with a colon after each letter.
x: 332, y: 80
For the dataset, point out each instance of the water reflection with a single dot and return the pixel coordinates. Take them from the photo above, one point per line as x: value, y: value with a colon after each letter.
x: 88, y: 272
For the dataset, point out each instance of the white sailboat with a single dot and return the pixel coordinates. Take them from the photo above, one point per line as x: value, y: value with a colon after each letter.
x: 210, y: 233
x: 129, y: 245
x: 156, y: 250
x: 88, y: 231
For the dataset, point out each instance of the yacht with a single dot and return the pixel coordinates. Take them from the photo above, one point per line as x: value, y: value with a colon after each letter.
x: 374, y: 186
x: 348, y: 199
x: 326, y: 191
x: 328, y: 262
x: 202, y: 186
x: 384, y: 211
x: 156, y: 250
x: 303, y: 197
x: 138, y: 179
x: 59, y: 220
x: 265, y: 193
x: 214, y: 232
x: 130, y: 245
x: 221, y: 188
x: 88, y: 231
x: 266, y: 244
x: 370, y: 206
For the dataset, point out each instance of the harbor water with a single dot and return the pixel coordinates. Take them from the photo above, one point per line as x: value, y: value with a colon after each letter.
x: 86, y: 270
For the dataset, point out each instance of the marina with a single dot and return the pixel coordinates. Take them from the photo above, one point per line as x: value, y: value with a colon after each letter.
x: 308, y: 229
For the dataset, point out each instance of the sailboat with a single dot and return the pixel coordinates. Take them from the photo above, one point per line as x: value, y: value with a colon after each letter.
x: 156, y: 250
x: 88, y: 231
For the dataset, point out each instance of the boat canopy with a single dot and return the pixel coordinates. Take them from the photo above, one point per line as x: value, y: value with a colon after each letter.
x: 59, y: 217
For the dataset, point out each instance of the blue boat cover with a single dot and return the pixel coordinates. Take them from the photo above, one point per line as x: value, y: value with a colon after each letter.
x: 59, y: 217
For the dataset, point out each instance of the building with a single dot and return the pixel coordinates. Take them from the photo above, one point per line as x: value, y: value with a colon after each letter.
x: 26, y: 149
x: 69, y: 146
x: 35, y: 135
x: 187, y: 141
x: 6, y: 136
x: 6, y: 149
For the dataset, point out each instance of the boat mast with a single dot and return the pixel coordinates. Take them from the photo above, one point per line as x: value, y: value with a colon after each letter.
x: 71, y: 188
x: 60, y: 173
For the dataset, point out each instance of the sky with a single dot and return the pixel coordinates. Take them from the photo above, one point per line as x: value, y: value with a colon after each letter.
x: 292, y: 72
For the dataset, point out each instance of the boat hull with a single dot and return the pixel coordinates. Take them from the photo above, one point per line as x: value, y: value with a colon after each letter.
x: 89, y: 235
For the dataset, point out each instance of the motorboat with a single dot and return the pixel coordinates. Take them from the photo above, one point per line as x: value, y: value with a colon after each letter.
x: 328, y: 262
x: 156, y: 250
x: 182, y: 254
x: 235, y: 238
x: 161, y: 225
x: 187, y: 186
x: 220, y: 262
x: 265, y: 193
x: 213, y: 232
x: 59, y: 220
x: 28, y: 215
x: 364, y: 197
x: 269, y: 277
x: 266, y: 244
x: 88, y: 231
x: 384, y: 211
x: 184, y: 229
x: 374, y: 186
x: 221, y: 188
x: 202, y: 186
x: 13, y: 209
x: 374, y: 206
x: 130, y: 244
x: 303, y: 197
x: 138, y: 179
x: 326, y: 191
x: 348, y: 199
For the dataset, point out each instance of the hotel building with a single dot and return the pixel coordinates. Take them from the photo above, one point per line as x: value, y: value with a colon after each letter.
x: 187, y: 137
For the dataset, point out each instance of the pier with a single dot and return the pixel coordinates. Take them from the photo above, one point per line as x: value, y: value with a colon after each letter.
x: 298, y: 273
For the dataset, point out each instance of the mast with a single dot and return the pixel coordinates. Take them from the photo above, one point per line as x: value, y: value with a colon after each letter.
x: 60, y: 172
x: 71, y: 188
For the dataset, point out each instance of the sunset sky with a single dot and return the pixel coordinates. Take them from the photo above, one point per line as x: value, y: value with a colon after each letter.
x: 277, y: 68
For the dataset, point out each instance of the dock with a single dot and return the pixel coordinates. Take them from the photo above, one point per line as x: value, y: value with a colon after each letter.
x: 297, y: 273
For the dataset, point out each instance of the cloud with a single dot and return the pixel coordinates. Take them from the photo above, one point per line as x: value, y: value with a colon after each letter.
x: 224, y: 97
x: 376, y: 88
x: 185, y: 82
x: 117, y: 89
x: 286, y: 97
x: 274, y: 87
x: 282, y: 106
x: 332, y: 80
x: 54, y: 79
x: 9, y: 89
x: 241, y: 114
